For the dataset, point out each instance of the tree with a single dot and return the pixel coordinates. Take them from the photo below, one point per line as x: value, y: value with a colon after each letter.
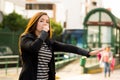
x: 56, y: 28
x: 0, y: 25
x: 14, y: 21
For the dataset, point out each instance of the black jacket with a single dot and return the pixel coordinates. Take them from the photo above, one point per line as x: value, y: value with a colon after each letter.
x: 30, y: 45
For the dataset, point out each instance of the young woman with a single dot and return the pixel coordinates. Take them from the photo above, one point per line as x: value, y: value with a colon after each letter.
x: 106, y: 58
x: 37, y: 49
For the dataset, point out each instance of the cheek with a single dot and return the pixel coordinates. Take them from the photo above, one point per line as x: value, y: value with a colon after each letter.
x: 39, y: 27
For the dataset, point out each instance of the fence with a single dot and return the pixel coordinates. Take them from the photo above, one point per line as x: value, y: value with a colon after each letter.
x: 8, y: 60
x: 63, y: 58
x: 9, y: 39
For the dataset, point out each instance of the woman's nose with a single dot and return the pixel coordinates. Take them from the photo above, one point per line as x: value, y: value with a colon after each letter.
x: 45, y: 23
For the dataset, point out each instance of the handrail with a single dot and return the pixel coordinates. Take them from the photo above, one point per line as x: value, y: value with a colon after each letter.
x: 14, y: 59
x: 13, y: 56
x: 6, y: 60
x: 61, y: 60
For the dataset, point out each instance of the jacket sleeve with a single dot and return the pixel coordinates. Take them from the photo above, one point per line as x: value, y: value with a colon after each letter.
x: 58, y: 46
x: 28, y: 42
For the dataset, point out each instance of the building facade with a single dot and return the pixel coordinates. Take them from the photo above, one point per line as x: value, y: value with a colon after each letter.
x: 69, y: 13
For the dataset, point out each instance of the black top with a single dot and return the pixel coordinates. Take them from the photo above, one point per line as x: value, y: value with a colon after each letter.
x: 30, y: 46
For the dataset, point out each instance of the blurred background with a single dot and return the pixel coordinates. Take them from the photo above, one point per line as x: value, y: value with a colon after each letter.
x: 89, y: 24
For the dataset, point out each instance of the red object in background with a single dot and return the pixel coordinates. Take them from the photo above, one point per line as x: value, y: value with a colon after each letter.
x: 99, y: 56
x: 112, y: 65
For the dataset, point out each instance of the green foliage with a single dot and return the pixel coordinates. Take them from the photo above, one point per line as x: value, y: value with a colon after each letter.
x: 0, y: 25
x: 14, y: 21
x: 56, y: 28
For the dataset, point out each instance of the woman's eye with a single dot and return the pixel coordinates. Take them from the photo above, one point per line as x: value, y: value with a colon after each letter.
x: 47, y: 22
x: 41, y: 21
x: 44, y: 21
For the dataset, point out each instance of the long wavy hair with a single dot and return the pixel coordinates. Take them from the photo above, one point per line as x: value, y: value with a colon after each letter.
x: 32, y: 24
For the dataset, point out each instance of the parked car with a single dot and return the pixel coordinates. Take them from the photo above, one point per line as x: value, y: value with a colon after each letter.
x: 5, y: 50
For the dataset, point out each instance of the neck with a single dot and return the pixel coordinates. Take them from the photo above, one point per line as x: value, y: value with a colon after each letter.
x: 37, y: 33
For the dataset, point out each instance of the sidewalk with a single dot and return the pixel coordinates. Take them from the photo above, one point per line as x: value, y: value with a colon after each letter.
x: 99, y: 76
x: 69, y: 72
x: 72, y: 72
x: 12, y: 74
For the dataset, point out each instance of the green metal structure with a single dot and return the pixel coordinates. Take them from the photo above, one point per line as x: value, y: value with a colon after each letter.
x: 102, y: 28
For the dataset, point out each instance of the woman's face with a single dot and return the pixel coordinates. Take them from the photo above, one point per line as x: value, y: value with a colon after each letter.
x: 42, y: 22
x: 107, y: 49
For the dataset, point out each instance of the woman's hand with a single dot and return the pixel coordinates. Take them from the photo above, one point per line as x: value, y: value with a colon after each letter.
x: 95, y: 52
x: 46, y: 28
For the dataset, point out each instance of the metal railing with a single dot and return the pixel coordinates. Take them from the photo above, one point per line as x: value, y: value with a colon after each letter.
x: 7, y: 60
x: 60, y: 58
x: 63, y: 58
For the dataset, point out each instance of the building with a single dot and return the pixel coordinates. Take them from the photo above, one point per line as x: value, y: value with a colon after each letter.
x: 69, y: 13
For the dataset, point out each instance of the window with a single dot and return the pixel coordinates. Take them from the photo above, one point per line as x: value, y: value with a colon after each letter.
x: 30, y: 6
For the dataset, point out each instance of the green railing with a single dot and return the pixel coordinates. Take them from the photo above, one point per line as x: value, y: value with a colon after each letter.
x: 61, y: 60
x: 9, y: 60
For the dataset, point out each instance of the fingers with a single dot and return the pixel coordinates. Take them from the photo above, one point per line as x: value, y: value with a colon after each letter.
x: 46, y: 28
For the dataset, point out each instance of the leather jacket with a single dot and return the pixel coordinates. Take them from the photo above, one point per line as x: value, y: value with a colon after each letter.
x: 29, y: 46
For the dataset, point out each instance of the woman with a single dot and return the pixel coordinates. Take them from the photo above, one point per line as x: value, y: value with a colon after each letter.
x: 37, y: 49
x: 106, y: 58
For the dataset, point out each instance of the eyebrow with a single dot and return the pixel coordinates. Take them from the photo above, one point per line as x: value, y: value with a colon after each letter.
x: 44, y: 19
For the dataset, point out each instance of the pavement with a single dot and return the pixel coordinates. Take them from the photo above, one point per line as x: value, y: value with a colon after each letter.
x: 12, y: 74
x: 98, y: 76
x: 73, y: 72
x: 69, y: 72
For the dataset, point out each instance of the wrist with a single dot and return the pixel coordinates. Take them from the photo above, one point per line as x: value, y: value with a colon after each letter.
x: 43, y: 35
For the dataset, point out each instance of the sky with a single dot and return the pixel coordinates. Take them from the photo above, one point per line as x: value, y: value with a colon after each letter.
x: 114, y: 5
